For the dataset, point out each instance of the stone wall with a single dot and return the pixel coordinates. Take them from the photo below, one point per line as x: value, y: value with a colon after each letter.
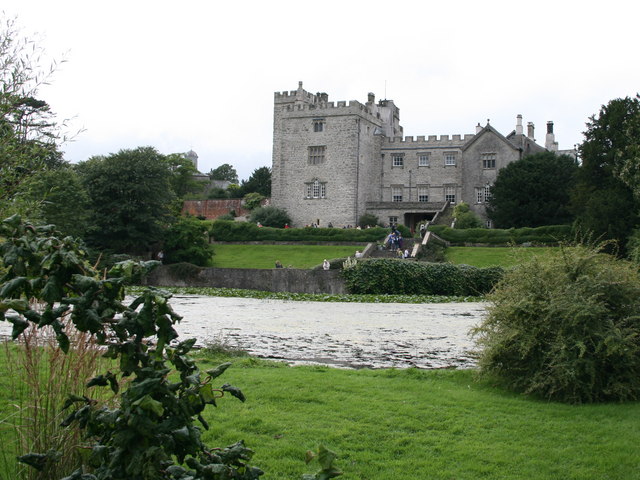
x: 212, y: 209
x: 271, y: 280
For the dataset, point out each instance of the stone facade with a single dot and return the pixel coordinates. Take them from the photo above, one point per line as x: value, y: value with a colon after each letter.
x: 333, y: 162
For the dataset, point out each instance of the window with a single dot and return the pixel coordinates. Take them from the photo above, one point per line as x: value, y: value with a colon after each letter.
x: 318, y: 125
x: 423, y: 160
x: 450, y: 194
x: 398, y: 160
x: 396, y: 194
x: 487, y: 193
x: 450, y: 159
x: 316, y: 189
x: 488, y: 160
x: 489, y: 224
x: 423, y: 194
x: 393, y: 220
x: 316, y: 155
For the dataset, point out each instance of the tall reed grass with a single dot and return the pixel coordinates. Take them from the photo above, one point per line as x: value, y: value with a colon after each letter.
x: 38, y: 379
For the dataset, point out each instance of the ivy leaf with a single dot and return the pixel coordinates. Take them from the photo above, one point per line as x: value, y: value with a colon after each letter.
x: 16, y: 304
x: 219, y: 370
x: 150, y: 405
x: 19, y: 325
x: 13, y: 286
x: 235, y: 391
x: 40, y: 460
x: 208, y: 394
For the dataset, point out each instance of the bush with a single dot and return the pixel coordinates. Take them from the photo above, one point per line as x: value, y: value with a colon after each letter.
x: 252, y: 200
x: 551, y: 234
x: 465, y: 218
x: 402, y: 277
x: 566, y: 328
x: 368, y: 220
x: 187, y: 240
x: 270, y: 217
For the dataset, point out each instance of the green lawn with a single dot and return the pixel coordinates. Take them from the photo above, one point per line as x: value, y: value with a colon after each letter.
x: 493, y: 256
x: 265, y: 256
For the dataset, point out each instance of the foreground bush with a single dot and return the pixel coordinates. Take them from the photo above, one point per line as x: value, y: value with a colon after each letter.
x: 566, y: 328
x: 402, y: 277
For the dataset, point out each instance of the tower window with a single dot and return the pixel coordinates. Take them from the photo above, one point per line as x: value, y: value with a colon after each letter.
x: 317, y: 154
x: 316, y: 189
x: 488, y: 160
x: 318, y: 125
x: 397, y: 160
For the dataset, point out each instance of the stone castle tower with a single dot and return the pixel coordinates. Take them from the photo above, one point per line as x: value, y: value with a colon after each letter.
x: 333, y: 162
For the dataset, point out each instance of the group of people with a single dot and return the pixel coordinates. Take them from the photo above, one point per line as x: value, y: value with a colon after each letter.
x: 394, y: 243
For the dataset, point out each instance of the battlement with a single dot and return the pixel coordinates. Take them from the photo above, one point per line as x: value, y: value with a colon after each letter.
x: 433, y: 140
x: 333, y: 107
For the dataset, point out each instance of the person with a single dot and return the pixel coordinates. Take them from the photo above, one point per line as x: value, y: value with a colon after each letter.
x: 406, y: 253
x: 422, y: 230
x: 330, y: 225
x: 358, y: 254
x: 259, y: 225
x: 326, y: 265
x: 278, y: 264
x: 160, y: 256
x: 286, y: 225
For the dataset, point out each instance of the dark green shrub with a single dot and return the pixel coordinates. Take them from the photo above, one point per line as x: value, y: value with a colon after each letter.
x: 187, y: 240
x: 566, y: 328
x: 402, y: 277
x: 227, y: 216
x: 270, y: 216
x: 252, y: 200
x: 551, y: 234
x: 368, y: 220
x: 465, y: 218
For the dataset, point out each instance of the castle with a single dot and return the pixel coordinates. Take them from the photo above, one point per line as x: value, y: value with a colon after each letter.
x: 333, y: 162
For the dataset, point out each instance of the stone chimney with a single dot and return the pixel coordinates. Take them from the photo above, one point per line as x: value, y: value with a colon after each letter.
x: 371, y: 98
x: 478, y: 128
x: 530, y: 130
x: 519, y: 125
x: 550, y: 141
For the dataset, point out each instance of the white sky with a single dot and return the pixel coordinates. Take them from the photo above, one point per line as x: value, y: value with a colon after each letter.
x: 201, y: 75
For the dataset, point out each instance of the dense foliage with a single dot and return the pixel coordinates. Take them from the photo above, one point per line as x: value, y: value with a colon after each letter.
x: 259, y: 182
x: 465, y: 218
x: 151, y: 433
x: 551, y: 234
x: 391, y: 276
x: 603, y: 203
x: 270, y: 216
x: 187, y: 240
x: 228, y: 231
x: 533, y: 191
x: 224, y: 172
x: 130, y: 195
x: 566, y: 328
x: 368, y: 220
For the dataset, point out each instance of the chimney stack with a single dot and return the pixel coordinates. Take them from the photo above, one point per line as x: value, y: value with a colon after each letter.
x: 530, y: 130
x: 371, y: 98
x: 478, y: 128
x: 519, y: 125
x: 550, y: 141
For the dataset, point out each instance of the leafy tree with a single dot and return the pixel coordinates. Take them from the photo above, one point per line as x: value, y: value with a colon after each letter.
x: 29, y: 133
x: 270, y: 217
x: 604, y: 205
x: 217, y: 192
x: 130, y: 195
x: 182, y: 179
x: 533, y: 191
x: 224, y: 172
x: 368, y: 220
x: 566, y: 328
x: 465, y: 218
x: 259, y: 182
x: 62, y: 199
x: 187, y: 240
x: 234, y: 191
x: 252, y: 200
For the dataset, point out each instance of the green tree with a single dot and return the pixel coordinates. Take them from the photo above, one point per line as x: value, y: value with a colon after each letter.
x: 252, y: 200
x: 62, y: 200
x: 258, y: 182
x: 604, y: 205
x: 224, y: 172
x: 465, y: 218
x: 368, y: 220
x: 533, y: 191
x: 270, y: 217
x: 130, y: 196
x: 183, y: 171
x: 29, y: 133
x: 187, y: 240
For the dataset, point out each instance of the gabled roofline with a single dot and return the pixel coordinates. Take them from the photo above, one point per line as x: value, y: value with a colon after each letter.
x: 489, y: 129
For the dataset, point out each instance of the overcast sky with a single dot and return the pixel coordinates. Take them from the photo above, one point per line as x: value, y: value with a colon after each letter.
x: 201, y: 75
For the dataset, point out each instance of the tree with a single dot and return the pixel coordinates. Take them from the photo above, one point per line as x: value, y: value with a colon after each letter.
x: 187, y: 240
x: 533, y: 191
x: 367, y: 220
x: 224, y: 172
x: 270, y: 217
x: 252, y: 200
x: 603, y: 204
x: 29, y: 133
x: 465, y: 218
x: 182, y: 175
x: 130, y: 196
x: 258, y: 182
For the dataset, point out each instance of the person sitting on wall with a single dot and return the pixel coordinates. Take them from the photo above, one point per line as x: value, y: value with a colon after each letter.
x: 278, y: 264
x: 326, y: 265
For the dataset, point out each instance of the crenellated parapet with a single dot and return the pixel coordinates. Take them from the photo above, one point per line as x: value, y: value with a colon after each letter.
x: 431, y: 140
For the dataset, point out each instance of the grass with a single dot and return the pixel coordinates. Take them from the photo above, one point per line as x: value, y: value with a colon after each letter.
x: 439, y: 424
x: 265, y: 256
x: 495, y: 256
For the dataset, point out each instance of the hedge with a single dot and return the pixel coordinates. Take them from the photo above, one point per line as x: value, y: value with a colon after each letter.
x: 402, y: 277
x: 539, y: 235
x: 228, y: 231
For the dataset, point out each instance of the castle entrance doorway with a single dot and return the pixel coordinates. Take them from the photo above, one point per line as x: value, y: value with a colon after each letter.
x: 412, y: 219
